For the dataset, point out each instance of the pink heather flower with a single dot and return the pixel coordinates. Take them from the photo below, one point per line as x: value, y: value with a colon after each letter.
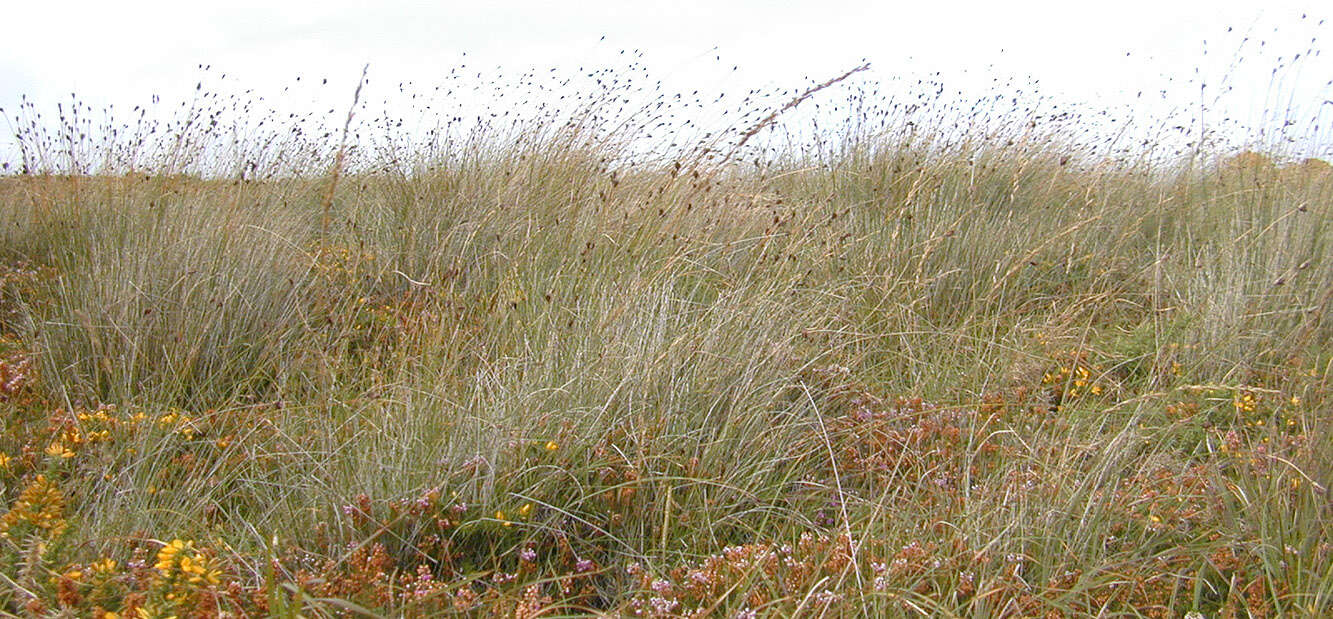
x: 474, y: 462
x: 584, y: 565
x: 663, y: 605
x: 660, y: 585
x: 827, y: 597
x: 527, y: 554
x: 699, y: 576
x: 746, y: 613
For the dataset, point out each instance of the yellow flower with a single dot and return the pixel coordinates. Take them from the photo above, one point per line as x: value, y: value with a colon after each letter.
x: 199, y: 570
x: 58, y: 450
x: 525, y: 511
x: 148, y: 612
x: 552, y: 446
x: 166, y: 557
x: 41, y: 504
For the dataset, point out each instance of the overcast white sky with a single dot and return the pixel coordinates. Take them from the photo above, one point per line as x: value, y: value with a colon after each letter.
x: 1099, y: 52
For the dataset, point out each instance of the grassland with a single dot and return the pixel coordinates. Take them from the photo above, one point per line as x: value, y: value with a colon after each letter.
x: 933, y: 370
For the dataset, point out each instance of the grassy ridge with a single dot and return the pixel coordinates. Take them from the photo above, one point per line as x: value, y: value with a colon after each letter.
x: 972, y: 376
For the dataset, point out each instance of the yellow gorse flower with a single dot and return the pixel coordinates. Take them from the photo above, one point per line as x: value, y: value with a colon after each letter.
x: 181, y: 557
x: 58, y: 449
x: 166, y: 557
x: 40, y: 505
x: 150, y: 612
x: 199, y: 571
x: 1246, y: 402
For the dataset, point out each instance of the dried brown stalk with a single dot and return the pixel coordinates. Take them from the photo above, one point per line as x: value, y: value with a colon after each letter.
x: 768, y: 120
x: 338, y: 159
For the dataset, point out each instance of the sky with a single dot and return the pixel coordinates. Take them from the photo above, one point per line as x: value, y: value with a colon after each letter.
x: 1099, y: 53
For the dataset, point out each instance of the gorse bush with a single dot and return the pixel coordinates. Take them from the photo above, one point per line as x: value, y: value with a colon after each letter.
x: 588, y: 357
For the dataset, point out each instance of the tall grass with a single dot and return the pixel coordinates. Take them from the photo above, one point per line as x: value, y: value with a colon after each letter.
x: 960, y: 360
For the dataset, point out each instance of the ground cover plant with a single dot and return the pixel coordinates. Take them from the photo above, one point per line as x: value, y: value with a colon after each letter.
x: 944, y: 359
